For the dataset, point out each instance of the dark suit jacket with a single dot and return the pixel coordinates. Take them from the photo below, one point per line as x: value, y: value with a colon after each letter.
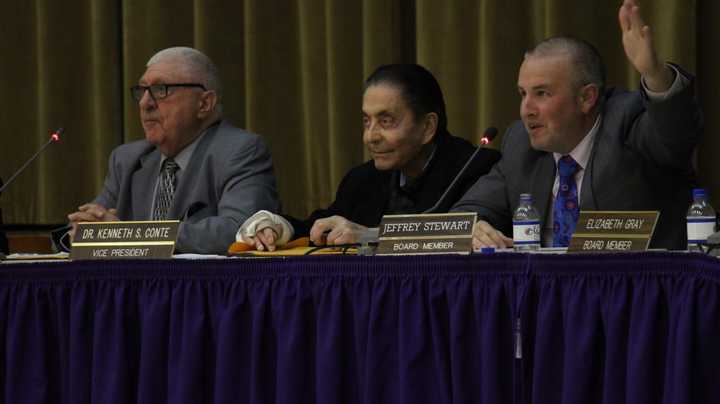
x: 640, y: 160
x: 364, y: 193
x: 229, y: 177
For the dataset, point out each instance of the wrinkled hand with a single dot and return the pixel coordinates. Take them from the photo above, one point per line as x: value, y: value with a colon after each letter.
x: 265, y: 237
x: 639, y: 47
x: 484, y: 235
x: 91, y: 212
x: 341, y: 231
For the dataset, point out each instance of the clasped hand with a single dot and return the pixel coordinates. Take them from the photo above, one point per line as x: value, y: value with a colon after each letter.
x: 91, y: 212
x: 335, y: 230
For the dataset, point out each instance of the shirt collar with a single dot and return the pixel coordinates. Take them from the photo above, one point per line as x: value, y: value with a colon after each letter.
x: 183, y: 158
x: 403, y: 178
x: 581, y: 152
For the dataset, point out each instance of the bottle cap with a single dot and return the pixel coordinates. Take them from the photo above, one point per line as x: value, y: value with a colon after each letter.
x: 697, y: 192
x: 526, y: 197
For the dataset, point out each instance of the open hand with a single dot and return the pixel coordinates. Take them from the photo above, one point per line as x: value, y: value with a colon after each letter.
x: 640, y: 49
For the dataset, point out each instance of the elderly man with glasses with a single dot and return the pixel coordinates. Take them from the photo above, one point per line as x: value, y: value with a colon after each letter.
x: 192, y: 165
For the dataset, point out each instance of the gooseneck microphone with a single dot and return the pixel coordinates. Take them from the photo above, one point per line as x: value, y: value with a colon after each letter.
x: 369, y: 239
x: 487, y: 137
x: 54, y: 138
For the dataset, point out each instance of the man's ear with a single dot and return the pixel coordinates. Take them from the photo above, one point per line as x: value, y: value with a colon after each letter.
x: 430, y: 126
x: 208, y: 101
x: 589, y: 97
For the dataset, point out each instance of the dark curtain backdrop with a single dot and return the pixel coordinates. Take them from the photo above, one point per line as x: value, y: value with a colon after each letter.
x: 293, y: 72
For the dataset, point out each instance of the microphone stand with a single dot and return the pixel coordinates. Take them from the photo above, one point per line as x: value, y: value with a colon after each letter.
x: 369, y: 239
x: 488, y: 137
x: 54, y: 137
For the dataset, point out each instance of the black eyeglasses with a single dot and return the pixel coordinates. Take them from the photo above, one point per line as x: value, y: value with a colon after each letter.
x: 159, y: 91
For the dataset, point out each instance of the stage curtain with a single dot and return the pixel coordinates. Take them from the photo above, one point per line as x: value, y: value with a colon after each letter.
x: 293, y: 72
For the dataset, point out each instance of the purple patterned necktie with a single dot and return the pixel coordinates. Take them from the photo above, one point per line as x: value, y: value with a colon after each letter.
x: 566, y: 209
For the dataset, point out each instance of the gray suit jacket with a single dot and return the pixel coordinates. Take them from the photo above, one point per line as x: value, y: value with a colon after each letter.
x: 640, y: 161
x: 229, y: 177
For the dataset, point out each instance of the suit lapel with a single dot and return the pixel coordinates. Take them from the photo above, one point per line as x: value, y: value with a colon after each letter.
x: 543, y: 180
x: 587, y: 199
x: 595, y: 165
x: 184, y: 197
x: 143, y: 185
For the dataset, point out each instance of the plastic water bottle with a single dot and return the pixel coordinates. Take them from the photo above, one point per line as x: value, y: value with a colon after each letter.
x: 526, y: 225
x: 700, y: 220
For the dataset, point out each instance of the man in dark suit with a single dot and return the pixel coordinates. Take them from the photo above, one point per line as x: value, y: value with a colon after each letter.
x: 578, y: 144
x: 192, y: 165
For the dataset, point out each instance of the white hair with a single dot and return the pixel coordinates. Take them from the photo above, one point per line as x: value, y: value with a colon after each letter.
x: 195, y: 62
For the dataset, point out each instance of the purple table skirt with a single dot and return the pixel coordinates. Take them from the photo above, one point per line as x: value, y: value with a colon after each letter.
x: 503, y: 328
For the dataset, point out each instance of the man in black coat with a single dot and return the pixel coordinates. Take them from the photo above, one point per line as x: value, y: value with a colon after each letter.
x: 414, y: 162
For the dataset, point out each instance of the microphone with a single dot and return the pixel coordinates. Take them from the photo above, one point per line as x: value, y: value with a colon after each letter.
x: 369, y: 239
x: 54, y: 138
x: 487, y: 137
